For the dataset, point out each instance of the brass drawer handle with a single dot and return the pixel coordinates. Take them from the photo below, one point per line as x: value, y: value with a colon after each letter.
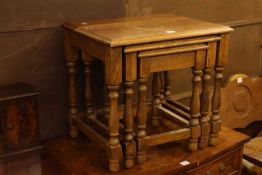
x: 222, y: 167
x: 209, y: 173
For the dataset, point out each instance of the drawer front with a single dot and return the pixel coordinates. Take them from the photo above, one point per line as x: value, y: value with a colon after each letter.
x: 172, y: 58
x: 225, y: 165
x: 19, y: 124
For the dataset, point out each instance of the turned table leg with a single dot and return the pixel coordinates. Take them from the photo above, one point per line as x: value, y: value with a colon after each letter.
x: 72, y: 95
x: 156, y: 90
x: 141, y: 121
x: 88, y: 90
x: 106, y: 109
x: 166, y: 84
x: 204, y: 108
x: 162, y: 87
x: 194, y: 107
x: 129, y: 125
x: 113, y: 127
x: 216, y: 102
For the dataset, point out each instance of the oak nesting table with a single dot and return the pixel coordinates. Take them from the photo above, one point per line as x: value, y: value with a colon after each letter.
x: 131, y: 49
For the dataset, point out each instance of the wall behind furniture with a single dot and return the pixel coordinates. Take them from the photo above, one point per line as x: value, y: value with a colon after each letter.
x: 244, y: 16
x: 31, y: 49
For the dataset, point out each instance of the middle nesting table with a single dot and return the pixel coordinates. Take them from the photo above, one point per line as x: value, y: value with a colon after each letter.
x: 135, y: 47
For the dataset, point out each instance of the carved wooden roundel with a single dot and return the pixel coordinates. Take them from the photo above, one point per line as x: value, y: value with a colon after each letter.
x: 242, y: 101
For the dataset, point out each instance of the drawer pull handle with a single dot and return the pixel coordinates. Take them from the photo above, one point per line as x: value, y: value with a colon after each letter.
x: 222, y: 167
x: 209, y: 173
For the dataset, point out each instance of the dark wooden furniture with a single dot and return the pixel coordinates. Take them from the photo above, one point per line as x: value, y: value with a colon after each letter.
x: 253, y: 152
x: 19, y: 131
x: 82, y: 156
x: 135, y: 47
x: 242, y: 98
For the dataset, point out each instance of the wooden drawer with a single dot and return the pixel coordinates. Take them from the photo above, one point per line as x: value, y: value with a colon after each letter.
x: 228, y: 164
x: 171, y: 58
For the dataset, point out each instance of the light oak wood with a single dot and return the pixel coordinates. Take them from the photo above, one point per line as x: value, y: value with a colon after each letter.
x: 172, y: 43
x: 162, y: 86
x: 170, y: 62
x: 72, y: 95
x: 169, y: 136
x: 162, y: 52
x: 205, y: 96
x: 99, y: 126
x: 205, y: 103
x: 194, y: 110
x: 166, y: 84
x: 216, y: 102
x: 137, y: 30
x: 156, y: 93
x: 78, y: 156
x: 129, y: 124
x: 141, y: 121
x: 88, y: 88
x: 170, y: 115
x: 91, y: 133
x: 130, y: 67
x: 132, y: 49
x: 174, y: 102
x: 241, y: 97
x: 176, y: 109
x: 252, y: 151
x: 113, y: 127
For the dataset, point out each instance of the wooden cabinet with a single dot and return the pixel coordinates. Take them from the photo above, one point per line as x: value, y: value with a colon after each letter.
x: 224, y: 165
x: 19, y: 119
x: 78, y: 157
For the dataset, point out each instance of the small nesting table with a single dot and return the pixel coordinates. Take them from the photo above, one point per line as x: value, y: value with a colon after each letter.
x: 131, y: 49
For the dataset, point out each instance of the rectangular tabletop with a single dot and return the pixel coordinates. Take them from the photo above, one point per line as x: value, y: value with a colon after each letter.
x: 137, y: 30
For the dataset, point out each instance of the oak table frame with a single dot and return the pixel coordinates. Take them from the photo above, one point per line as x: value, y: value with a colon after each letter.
x: 200, y: 53
x: 134, y: 47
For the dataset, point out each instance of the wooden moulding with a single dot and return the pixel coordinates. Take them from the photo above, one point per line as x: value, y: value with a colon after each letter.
x: 171, y: 58
x: 174, y: 43
x: 172, y: 50
x: 172, y: 116
x: 112, y: 150
x: 167, y: 137
x: 176, y: 110
x: 180, y: 106
x: 99, y: 126
x: 91, y: 133
x: 167, y: 62
x: 93, y: 48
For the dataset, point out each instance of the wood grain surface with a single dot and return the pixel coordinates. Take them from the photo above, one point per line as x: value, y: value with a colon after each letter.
x: 133, y: 30
x: 84, y: 157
